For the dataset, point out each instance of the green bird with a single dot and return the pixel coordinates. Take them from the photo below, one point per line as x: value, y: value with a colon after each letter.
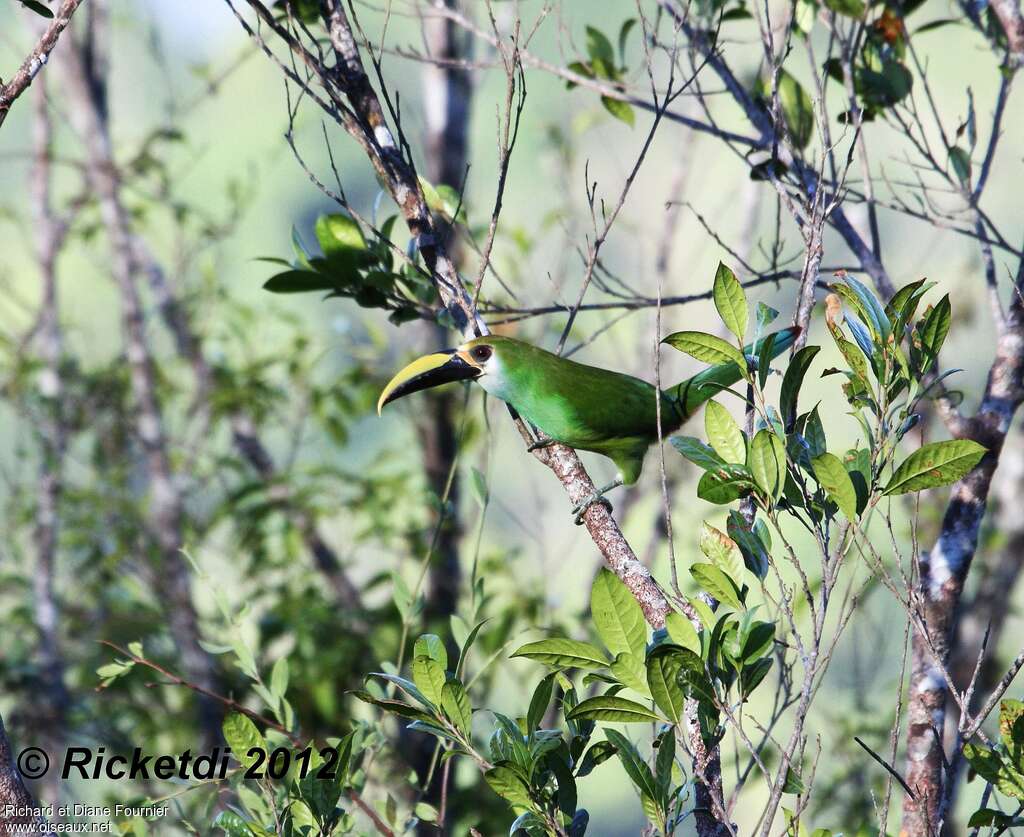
x: 583, y: 407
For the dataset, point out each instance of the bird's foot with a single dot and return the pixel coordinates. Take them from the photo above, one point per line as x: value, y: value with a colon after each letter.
x: 597, y: 498
x: 540, y: 443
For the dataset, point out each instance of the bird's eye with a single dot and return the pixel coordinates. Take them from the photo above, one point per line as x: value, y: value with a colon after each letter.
x: 481, y: 354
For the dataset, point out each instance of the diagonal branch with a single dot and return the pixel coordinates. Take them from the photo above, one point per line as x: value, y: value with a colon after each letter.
x: 37, y: 58
x: 1010, y: 18
x: 358, y: 110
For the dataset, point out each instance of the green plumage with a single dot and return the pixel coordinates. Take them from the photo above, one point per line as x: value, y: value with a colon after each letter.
x: 594, y: 409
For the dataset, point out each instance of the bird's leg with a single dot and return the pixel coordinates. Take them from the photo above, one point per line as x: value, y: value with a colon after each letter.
x: 543, y: 442
x: 597, y: 497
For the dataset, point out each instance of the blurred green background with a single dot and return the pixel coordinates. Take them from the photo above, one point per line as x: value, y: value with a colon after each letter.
x: 232, y: 158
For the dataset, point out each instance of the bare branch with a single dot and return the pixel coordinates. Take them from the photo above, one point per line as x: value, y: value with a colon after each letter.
x: 37, y: 58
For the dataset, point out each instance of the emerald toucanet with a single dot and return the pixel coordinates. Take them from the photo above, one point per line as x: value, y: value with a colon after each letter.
x: 580, y: 406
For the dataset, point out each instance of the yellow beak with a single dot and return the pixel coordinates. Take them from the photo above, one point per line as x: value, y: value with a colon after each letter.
x: 425, y: 372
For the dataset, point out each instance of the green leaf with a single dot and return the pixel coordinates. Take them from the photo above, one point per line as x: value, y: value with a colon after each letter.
x: 766, y: 315
x: 682, y: 632
x: 431, y: 645
x: 694, y: 678
x: 992, y: 768
x: 767, y: 462
x: 628, y: 669
x: 612, y: 709
x: 764, y: 359
x: 664, y: 763
x: 507, y: 783
x: 600, y: 751
x: 1011, y: 728
x: 407, y: 686
x: 617, y: 616
x: 429, y: 677
x: 540, y: 701
x: 731, y: 301
x: 831, y: 475
x: 563, y: 653
x: 871, y: 307
x: 241, y: 736
x: 478, y: 484
x: 755, y: 551
x: 797, y: 109
x: 793, y: 783
x: 724, y: 433
x: 299, y: 282
x: 452, y: 205
x: 663, y: 667
x: 706, y: 614
x: 752, y: 675
x: 804, y: 14
x: 279, y: 678
x: 338, y: 234
x: 715, y: 582
x: 623, y: 111
x: 986, y: 762
x: 721, y: 550
x: 425, y: 812
x: 791, y: 383
x: 636, y: 768
x: 430, y: 195
x: 707, y: 348
x: 935, y: 327
x: 724, y: 486
x: 396, y: 707
x: 886, y: 88
x: 850, y: 8
x: 759, y: 641
x: 903, y: 304
x: 938, y: 463
x: 697, y: 452
x: 599, y: 48
x: 997, y: 819
x: 624, y: 31
x: 233, y: 825
x: 115, y: 669
x: 456, y: 706
x: 960, y: 160
x: 938, y: 24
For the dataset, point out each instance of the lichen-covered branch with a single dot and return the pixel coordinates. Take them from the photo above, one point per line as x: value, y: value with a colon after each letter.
x: 358, y: 109
x: 37, y: 58
x: 17, y: 807
x: 943, y: 571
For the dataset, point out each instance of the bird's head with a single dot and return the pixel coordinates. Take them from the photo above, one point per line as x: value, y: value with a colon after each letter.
x: 477, y: 359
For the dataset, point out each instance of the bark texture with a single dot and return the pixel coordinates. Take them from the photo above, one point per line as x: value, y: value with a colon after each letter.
x: 943, y: 571
x: 37, y: 58
x: 14, y: 793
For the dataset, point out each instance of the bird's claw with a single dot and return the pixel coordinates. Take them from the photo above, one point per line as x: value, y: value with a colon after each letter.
x: 540, y: 443
x: 594, y: 499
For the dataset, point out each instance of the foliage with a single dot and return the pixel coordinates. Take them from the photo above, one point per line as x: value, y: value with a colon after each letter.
x: 379, y: 676
x: 352, y: 267
x: 1003, y: 767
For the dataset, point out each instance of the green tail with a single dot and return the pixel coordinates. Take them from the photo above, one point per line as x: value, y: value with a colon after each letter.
x: 693, y: 392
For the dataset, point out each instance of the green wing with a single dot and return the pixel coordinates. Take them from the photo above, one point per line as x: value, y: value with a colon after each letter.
x: 692, y: 393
